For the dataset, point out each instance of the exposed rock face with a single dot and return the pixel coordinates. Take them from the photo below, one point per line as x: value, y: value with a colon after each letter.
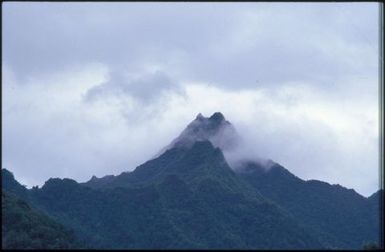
x: 215, y: 129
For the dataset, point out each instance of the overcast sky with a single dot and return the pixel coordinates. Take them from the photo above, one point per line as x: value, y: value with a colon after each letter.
x: 99, y: 88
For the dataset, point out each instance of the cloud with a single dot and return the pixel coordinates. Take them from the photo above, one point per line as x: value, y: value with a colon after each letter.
x: 97, y: 88
x: 236, y: 47
x: 146, y: 87
x: 48, y: 123
x: 312, y: 134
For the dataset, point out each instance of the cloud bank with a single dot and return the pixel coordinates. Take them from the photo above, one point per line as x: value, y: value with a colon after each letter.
x: 97, y: 88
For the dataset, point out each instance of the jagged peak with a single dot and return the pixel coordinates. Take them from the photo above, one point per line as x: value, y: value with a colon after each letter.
x: 200, y: 117
x: 213, y: 122
x: 214, y: 129
x: 6, y: 172
x: 217, y: 116
x: 58, y: 182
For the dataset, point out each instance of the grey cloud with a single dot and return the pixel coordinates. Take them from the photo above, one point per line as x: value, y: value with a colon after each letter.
x: 146, y: 88
x: 331, y: 47
x: 281, y: 42
x: 49, y: 36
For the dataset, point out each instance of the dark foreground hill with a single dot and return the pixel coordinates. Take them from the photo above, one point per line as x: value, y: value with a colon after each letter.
x: 25, y: 227
x: 190, y: 198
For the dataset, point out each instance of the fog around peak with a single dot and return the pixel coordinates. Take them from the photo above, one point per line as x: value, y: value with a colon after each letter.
x: 215, y: 129
x: 100, y: 88
x: 222, y: 134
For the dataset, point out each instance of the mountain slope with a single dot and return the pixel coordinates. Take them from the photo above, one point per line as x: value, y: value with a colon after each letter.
x: 200, y: 161
x: 23, y: 227
x: 9, y: 183
x: 188, y: 198
x: 215, y: 129
x: 340, y: 216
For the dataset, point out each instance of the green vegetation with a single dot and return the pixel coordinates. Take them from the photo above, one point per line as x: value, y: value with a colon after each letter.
x: 189, y: 198
x: 340, y: 217
x: 25, y: 228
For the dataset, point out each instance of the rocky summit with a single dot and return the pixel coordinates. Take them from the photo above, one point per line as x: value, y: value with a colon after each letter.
x: 189, y: 197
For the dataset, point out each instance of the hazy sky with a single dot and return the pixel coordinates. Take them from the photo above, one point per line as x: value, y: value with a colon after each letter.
x: 99, y: 88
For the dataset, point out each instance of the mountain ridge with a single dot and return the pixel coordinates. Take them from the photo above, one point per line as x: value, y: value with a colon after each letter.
x: 190, y: 197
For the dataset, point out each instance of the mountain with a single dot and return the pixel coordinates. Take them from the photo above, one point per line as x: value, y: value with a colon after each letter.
x: 199, y: 134
x: 341, y: 217
x: 189, y: 197
x: 9, y: 183
x: 23, y: 226
x: 215, y: 129
x: 192, y: 164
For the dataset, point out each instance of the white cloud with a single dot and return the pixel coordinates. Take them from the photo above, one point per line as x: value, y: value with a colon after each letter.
x: 315, y: 136
x: 300, y: 79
